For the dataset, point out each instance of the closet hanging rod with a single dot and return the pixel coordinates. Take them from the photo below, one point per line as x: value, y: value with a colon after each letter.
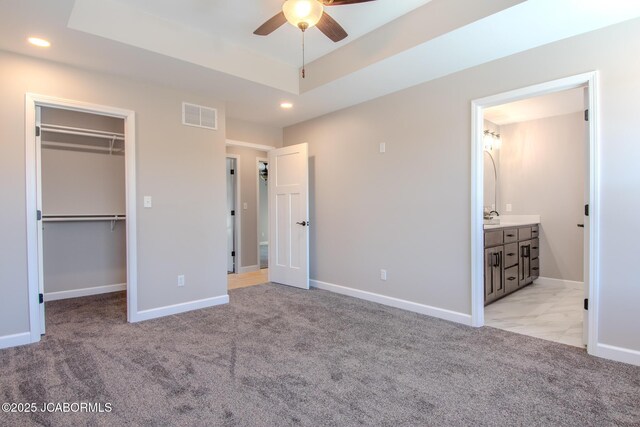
x: 83, y: 146
x: 79, y: 218
x: 82, y: 132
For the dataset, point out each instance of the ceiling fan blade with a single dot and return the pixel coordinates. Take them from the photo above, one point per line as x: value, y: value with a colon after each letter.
x: 331, y: 28
x: 271, y: 25
x: 341, y: 2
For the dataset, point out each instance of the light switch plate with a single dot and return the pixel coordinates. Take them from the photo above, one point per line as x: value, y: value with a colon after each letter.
x: 245, y: 206
x: 181, y: 280
x: 147, y: 202
x: 383, y: 147
x: 509, y: 207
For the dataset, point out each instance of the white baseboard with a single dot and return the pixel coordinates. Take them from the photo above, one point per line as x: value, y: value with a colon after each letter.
x: 440, y: 313
x: 84, y: 292
x: 248, y: 269
x: 619, y: 354
x: 15, y: 340
x: 179, y: 308
x: 557, y: 282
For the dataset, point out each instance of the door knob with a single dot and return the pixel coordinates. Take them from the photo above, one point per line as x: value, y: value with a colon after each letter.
x: 303, y: 223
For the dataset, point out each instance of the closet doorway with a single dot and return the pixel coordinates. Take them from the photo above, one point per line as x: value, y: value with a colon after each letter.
x: 80, y: 187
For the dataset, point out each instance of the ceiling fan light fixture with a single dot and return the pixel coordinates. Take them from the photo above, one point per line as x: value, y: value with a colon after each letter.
x: 303, y: 13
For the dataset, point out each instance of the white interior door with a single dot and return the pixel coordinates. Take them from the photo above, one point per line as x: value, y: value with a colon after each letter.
x: 38, y: 143
x: 586, y: 246
x: 289, y: 216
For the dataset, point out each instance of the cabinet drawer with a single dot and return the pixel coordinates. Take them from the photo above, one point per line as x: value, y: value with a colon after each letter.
x: 511, y: 279
x: 535, y: 248
x: 511, y: 255
x: 510, y: 235
x: 535, y: 231
x: 492, y: 238
x: 535, y: 269
x: 524, y: 233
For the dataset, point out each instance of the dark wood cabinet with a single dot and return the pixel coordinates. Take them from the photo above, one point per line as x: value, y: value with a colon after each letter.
x: 510, y: 260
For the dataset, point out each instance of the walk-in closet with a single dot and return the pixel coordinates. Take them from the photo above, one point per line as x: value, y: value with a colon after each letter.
x: 82, y: 176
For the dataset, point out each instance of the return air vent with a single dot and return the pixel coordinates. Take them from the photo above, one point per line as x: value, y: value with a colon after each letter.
x: 199, y: 116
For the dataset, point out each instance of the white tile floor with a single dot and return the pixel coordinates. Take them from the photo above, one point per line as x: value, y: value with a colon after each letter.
x: 551, y: 311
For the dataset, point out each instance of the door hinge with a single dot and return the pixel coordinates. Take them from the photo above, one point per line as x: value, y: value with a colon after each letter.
x: 586, y: 303
x: 233, y: 253
x: 586, y: 115
x: 37, y: 130
x: 232, y: 172
x: 586, y: 210
x: 233, y: 213
x: 41, y: 298
x: 39, y: 215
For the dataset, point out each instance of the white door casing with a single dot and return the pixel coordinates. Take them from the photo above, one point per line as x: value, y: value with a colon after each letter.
x: 587, y: 228
x: 40, y: 224
x: 289, y: 216
x: 591, y: 255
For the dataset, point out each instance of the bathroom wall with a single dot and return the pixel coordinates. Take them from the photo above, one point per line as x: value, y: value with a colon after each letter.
x: 542, y: 171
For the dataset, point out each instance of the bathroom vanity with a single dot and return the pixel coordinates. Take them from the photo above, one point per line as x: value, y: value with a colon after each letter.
x: 510, y: 258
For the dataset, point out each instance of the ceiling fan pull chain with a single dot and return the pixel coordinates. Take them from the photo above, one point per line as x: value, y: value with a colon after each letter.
x: 303, y: 71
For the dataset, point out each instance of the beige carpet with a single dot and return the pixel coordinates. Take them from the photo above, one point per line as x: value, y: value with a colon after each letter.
x: 278, y: 356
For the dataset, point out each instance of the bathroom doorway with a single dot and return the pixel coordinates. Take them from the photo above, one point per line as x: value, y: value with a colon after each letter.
x: 510, y: 240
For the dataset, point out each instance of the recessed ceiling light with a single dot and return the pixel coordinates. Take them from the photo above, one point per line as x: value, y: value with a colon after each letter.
x: 39, y: 42
x: 286, y: 105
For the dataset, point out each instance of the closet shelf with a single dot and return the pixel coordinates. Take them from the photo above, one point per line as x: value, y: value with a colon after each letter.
x: 79, y: 218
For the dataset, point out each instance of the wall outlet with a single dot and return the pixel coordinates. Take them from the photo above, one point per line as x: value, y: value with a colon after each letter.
x: 509, y: 208
x: 147, y: 202
x: 181, y: 280
x: 383, y: 274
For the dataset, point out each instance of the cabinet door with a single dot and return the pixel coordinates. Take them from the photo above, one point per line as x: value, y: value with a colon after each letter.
x: 524, y: 266
x: 493, y: 273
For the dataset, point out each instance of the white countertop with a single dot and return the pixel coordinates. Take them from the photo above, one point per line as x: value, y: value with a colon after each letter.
x: 507, y: 221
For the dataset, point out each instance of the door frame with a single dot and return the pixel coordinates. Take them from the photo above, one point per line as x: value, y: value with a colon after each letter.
x: 32, y: 153
x: 258, y: 160
x: 592, y: 258
x: 237, y: 220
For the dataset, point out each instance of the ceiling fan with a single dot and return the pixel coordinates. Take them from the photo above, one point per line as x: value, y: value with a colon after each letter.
x: 305, y: 14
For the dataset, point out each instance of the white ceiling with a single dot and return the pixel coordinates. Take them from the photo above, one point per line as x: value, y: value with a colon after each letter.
x: 555, y: 104
x: 235, y: 20
x: 170, y: 43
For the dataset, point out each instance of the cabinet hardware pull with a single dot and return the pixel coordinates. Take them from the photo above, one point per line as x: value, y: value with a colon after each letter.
x: 510, y: 235
x: 534, y: 268
x: 534, y: 247
x: 511, y: 278
x: 510, y: 254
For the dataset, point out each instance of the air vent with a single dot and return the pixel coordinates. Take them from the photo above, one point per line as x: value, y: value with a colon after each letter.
x: 199, y: 116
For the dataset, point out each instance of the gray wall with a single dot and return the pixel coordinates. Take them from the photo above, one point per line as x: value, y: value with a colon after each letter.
x: 248, y: 194
x: 79, y: 255
x: 543, y: 172
x: 82, y: 255
x: 408, y: 210
x: 256, y: 133
x: 181, y: 167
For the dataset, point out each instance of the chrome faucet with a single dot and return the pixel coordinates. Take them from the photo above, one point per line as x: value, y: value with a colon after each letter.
x: 488, y: 214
